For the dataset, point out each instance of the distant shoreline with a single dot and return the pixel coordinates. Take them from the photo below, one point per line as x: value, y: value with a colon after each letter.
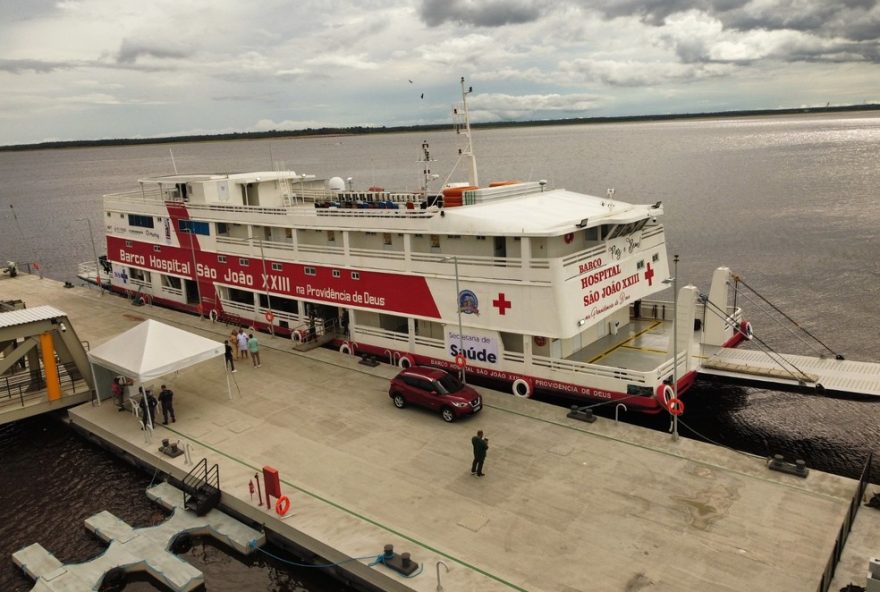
x: 363, y: 130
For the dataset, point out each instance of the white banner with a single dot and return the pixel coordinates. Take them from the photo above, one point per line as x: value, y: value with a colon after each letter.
x: 479, y: 347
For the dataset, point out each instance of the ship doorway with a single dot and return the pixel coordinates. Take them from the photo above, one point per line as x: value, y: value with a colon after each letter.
x: 500, y: 246
x: 192, y: 292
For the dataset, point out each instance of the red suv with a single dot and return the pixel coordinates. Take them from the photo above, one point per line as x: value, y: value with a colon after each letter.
x: 435, y: 389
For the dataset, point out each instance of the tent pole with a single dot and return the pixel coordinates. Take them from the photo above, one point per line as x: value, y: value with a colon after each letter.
x: 228, y: 386
x: 95, y: 382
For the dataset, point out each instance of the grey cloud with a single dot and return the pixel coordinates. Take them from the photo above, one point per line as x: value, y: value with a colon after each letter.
x: 132, y: 50
x: 37, y: 66
x: 492, y: 13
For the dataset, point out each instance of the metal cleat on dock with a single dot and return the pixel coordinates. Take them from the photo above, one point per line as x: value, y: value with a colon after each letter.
x: 581, y: 414
x: 799, y: 467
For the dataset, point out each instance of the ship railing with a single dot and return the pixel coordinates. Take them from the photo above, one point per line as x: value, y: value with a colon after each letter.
x: 280, y: 315
x: 321, y: 249
x: 429, y: 342
x: 476, y: 260
x: 396, y: 212
x: 171, y: 290
x: 381, y: 333
x: 245, y: 310
x: 511, y: 356
x: 592, y: 369
x: 377, y: 254
x: 238, y: 209
x: 582, y: 256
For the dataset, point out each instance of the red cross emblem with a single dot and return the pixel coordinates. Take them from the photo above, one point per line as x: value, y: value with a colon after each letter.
x: 649, y: 275
x: 501, y: 303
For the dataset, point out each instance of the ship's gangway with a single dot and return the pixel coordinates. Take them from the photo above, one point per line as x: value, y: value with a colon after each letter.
x: 827, y: 374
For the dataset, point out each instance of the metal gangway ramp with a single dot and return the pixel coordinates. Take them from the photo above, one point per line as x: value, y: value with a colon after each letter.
x: 824, y: 373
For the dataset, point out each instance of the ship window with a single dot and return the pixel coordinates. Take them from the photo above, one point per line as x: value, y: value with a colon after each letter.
x: 481, y: 237
x: 157, y: 248
x: 108, y: 214
x: 615, y: 231
x: 386, y: 238
x: 331, y: 236
x: 640, y: 264
x: 243, y: 262
x: 128, y: 244
x: 311, y: 271
x: 655, y: 257
x: 222, y: 228
x: 418, y: 235
x: 435, y: 241
x: 337, y: 273
x: 276, y: 267
x: 640, y: 224
x: 370, y: 233
x: 355, y: 275
x: 288, y: 232
x: 454, y: 236
x: 221, y: 258
x: 592, y: 234
x: 193, y: 226
x: 140, y: 221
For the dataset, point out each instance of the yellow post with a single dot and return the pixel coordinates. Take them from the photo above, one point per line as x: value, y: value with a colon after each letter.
x: 47, y: 348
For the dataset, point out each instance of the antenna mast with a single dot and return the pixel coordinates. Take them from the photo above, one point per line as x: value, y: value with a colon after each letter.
x: 463, y: 126
x: 426, y: 161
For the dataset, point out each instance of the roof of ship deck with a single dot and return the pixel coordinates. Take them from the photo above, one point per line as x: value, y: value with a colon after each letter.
x: 548, y: 212
x: 249, y: 177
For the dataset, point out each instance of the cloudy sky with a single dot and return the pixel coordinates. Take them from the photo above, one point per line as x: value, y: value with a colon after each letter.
x: 84, y: 69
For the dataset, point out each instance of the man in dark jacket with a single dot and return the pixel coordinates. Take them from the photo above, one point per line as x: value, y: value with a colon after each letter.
x: 481, y: 445
x: 166, y: 396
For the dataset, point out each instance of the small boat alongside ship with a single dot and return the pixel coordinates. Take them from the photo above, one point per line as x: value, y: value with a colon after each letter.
x: 542, y: 288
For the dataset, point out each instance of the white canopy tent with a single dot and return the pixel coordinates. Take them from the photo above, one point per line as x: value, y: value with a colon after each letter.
x: 151, y: 350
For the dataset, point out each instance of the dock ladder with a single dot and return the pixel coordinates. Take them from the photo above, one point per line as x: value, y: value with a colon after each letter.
x: 201, y: 488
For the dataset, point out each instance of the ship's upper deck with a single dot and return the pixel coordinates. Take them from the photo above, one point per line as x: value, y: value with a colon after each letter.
x: 524, y: 209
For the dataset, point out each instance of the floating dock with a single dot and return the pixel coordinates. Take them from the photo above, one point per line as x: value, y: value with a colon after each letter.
x: 565, y: 506
x: 141, y: 549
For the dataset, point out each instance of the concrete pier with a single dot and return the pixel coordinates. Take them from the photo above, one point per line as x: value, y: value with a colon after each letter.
x: 565, y: 506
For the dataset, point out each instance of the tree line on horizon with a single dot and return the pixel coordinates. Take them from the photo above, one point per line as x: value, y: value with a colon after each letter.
x: 363, y: 130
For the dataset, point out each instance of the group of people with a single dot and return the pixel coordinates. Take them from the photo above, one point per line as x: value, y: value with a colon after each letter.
x: 241, y: 346
x: 148, y: 405
x: 146, y: 402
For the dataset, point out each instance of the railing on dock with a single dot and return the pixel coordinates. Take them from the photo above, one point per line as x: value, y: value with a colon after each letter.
x: 839, y: 543
x: 24, y: 386
x: 201, y: 488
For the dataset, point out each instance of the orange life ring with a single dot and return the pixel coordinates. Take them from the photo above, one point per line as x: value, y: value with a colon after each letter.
x: 460, y: 360
x: 676, y: 406
x: 568, y: 237
x: 270, y: 316
x: 540, y: 341
x: 282, y: 505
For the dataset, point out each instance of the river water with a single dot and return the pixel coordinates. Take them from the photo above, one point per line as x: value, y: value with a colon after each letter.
x: 789, y: 203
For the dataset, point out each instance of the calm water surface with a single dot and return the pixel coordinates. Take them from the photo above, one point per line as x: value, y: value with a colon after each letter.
x: 789, y: 203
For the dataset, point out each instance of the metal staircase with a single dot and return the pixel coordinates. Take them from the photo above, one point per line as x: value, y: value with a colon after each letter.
x: 201, y: 488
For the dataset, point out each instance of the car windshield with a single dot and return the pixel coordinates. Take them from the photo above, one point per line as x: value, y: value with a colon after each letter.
x: 448, y: 384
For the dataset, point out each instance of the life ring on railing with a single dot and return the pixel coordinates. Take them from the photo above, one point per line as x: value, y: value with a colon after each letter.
x: 539, y: 340
x: 568, y: 237
x: 282, y: 505
x: 747, y: 330
x: 406, y: 361
x: 347, y: 348
x: 298, y: 335
x: 676, y: 407
x: 390, y: 355
x: 664, y: 395
x: 523, y: 387
x: 213, y: 315
x: 270, y: 316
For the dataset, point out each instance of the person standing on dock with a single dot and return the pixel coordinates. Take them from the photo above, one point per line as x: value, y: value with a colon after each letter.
x: 481, y: 445
x: 148, y: 407
x: 232, y: 341
x: 254, y: 348
x: 242, y: 345
x: 229, y: 362
x: 166, y: 398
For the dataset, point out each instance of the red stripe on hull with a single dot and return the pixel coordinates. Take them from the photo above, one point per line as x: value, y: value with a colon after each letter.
x: 388, y: 292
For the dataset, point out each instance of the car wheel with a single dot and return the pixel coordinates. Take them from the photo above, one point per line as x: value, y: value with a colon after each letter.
x: 399, y: 401
x: 447, y: 415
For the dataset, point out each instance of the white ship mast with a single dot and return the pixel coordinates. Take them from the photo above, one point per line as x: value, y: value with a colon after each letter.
x: 463, y: 126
